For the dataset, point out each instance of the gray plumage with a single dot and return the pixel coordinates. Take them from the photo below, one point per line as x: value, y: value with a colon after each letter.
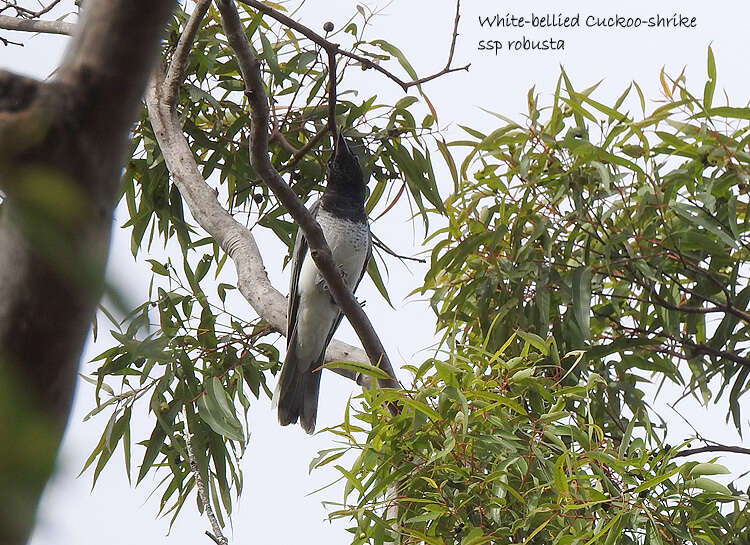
x: 313, y: 316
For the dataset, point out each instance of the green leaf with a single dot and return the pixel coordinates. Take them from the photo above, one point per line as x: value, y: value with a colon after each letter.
x: 655, y: 481
x: 154, y: 444
x: 396, y: 52
x: 708, y: 91
x: 727, y: 111
x: 534, y: 340
x: 581, y: 286
x: 374, y: 273
x: 561, y: 481
x: 421, y: 407
x: 158, y: 268
x: 697, y: 217
x: 216, y: 410
x: 708, y: 485
x: 270, y: 55
x: 708, y: 469
x: 358, y: 367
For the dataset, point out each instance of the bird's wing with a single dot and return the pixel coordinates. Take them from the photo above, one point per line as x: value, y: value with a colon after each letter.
x: 299, y: 253
x: 367, y: 259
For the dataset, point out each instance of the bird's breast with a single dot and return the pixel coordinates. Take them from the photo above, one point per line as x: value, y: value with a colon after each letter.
x: 349, y: 241
x: 317, y: 315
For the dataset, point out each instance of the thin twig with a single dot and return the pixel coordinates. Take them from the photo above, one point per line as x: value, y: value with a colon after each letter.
x: 331, y: 47
x: 319, y: 250
x: 217, y: 536
x: 277, y: 135
x: 300, y: 153
x: 455, y: 34
x: 712, y: 448
x: 377, y: 242
x: 7, y: 42
x: 31, y: 14
x: 215, y: 539
x: 176, y: 72
x: 332, y: 99
x: 697, y: 348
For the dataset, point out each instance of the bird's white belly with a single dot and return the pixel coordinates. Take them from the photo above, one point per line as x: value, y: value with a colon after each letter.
x: 317, y: 312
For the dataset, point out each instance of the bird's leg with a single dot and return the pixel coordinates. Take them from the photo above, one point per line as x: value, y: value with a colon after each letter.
x: 324, y: 287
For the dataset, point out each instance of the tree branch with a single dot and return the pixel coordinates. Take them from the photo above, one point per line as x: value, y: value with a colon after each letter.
x: 75, y: 129
x: 697, y: 348
x: 332, y: 98
x: 27, y: 13
x: 319, y: 250
x: 300, y: 153
x: 36, y: 25
x: 711, y: 448
x: 176, y: 73
x: 217, y: 536
x: 332, y: 48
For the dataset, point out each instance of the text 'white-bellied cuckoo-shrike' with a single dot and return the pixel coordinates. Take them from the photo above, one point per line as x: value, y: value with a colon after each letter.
x: 313, y: 316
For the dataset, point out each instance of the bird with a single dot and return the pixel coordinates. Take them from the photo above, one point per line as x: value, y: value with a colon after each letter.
x: 312, y: 315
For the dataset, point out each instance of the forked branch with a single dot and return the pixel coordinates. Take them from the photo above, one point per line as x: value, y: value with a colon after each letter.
x: 334, y: 49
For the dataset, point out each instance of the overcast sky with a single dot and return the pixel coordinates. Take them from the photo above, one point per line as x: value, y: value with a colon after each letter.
x: 275, y: 505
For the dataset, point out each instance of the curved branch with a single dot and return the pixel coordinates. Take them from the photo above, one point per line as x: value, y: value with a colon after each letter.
x: 176, y: 72
x: 319, y: 250
x: 36, y: 25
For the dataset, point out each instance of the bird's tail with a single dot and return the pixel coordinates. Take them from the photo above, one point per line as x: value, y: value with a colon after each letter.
x: 296, y: 393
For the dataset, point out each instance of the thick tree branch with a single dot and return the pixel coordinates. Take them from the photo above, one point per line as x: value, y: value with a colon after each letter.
x: 334, y: 49
x: 319, y: 250
x: 176, y: 72
x: 36, y: 25
x: 75, y: 130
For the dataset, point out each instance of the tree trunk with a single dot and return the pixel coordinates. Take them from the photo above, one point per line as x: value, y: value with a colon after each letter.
x: 62, y: 144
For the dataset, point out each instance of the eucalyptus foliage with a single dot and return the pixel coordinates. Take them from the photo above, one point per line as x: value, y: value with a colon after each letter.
x: 588, y: 252
x: 624, y: 236
x: 498, y: 447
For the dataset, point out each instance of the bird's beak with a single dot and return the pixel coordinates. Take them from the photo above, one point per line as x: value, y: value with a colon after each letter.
x: 341, y: 145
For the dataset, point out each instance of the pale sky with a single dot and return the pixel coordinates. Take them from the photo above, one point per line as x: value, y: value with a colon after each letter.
x: 275, y: 506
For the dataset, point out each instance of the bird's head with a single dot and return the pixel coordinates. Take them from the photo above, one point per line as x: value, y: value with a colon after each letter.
x: 344, y: 173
